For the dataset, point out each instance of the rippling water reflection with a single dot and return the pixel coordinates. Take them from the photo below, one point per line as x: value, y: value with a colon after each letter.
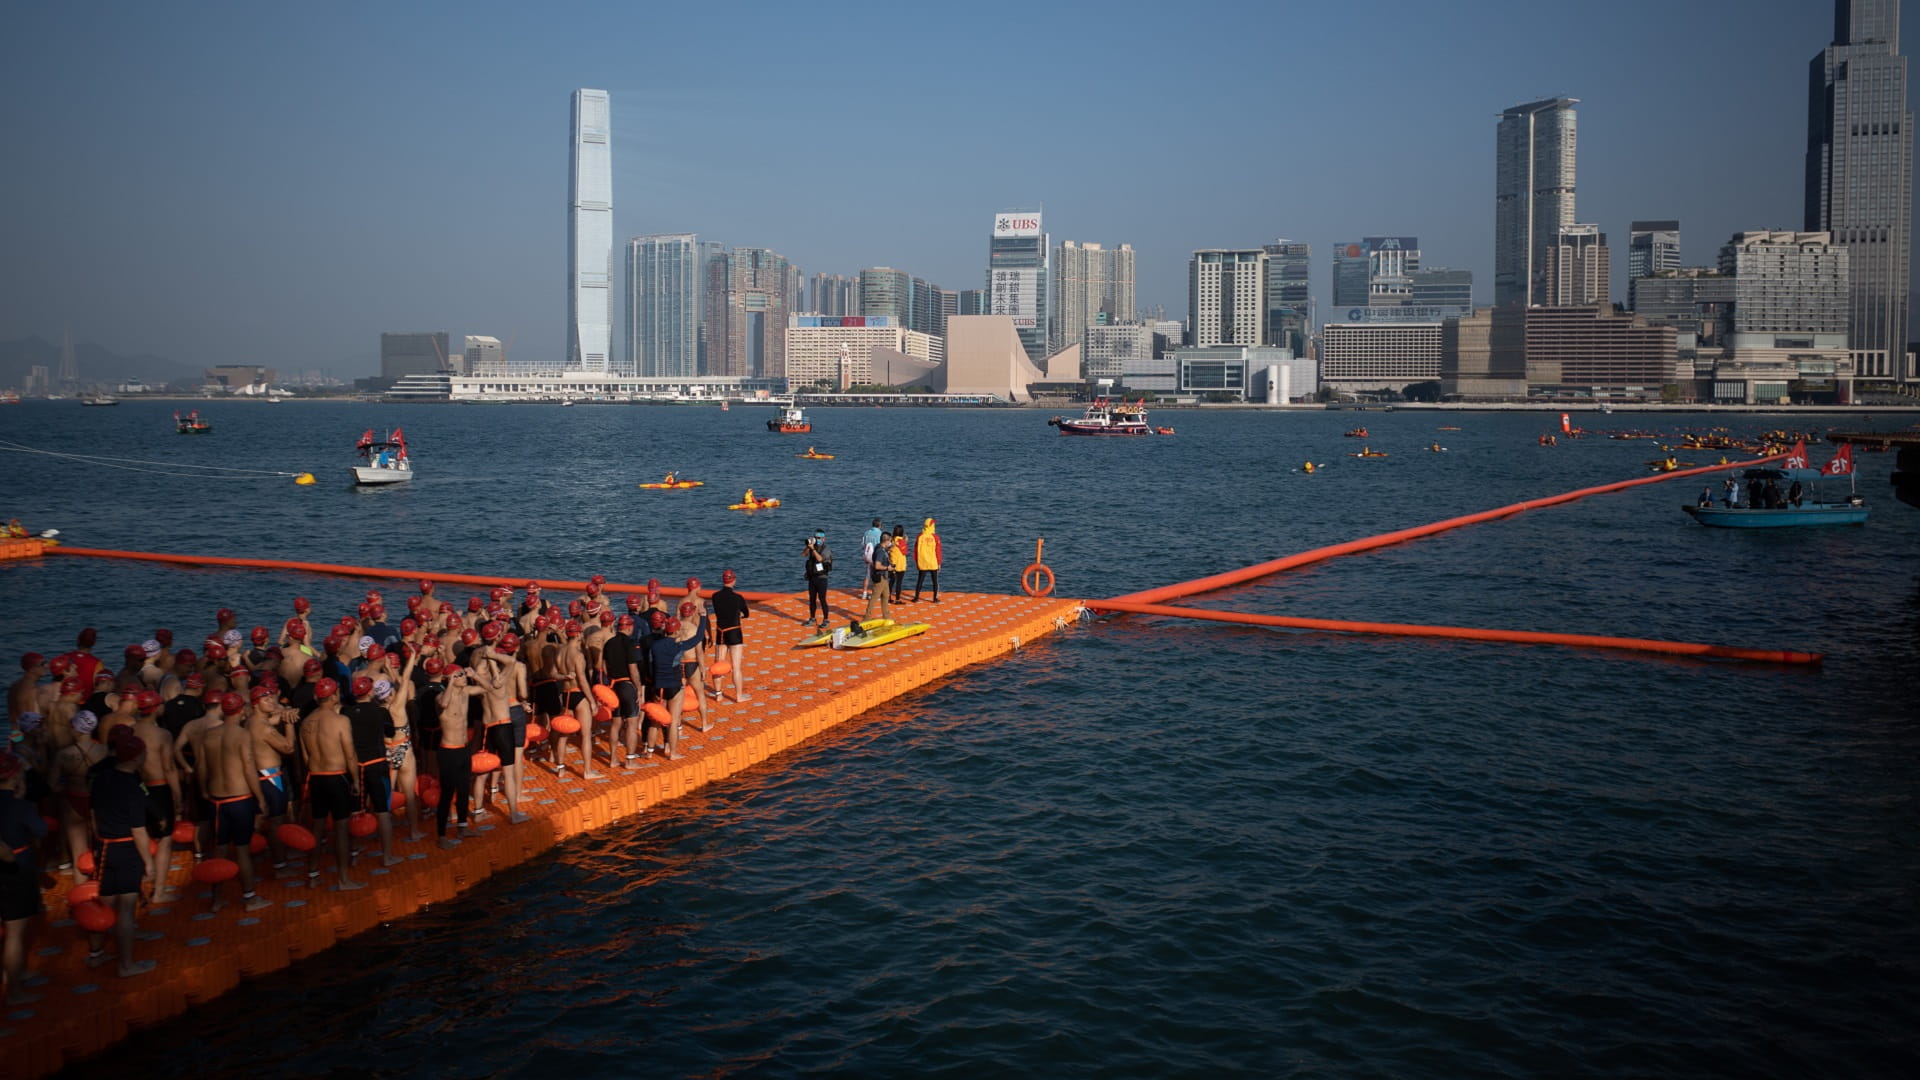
x: 1152, y: 848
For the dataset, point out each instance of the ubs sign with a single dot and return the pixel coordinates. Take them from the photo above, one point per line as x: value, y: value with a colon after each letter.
x: 1018, y: 224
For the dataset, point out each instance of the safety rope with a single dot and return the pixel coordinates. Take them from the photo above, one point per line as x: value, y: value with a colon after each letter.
x: 132, y: 464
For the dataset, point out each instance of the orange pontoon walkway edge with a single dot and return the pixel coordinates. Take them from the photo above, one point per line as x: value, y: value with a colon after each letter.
x: 1246, y: 574
x: 793, y: 695
x: 1468, y: 633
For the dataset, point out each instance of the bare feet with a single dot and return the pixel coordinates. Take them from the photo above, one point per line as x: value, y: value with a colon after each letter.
x: 448, y: 843
x: 128, y: 971
x: 346, y: 885
x: 392, y: 860
x: 416, y: 837
x: 255, y: 903
x: 518, y: 818
x: 164, y: 896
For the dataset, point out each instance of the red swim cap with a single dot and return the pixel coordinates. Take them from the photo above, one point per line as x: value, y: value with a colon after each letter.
x: 574, y: 629
x: 413, y: 603
x: 164, y: 636
x: 728, y: 577
x: 73, y: 687
x: 296, y: 630
x: 375, y: 651
x: 362, y: 686
x: 301, y: 605
x: 407, y: 627
x: 216, y: 651
x: 365, y: 610
x: 575, y: 608
x: 426, y: 586
x: 259, y: 635
x: 672, y: 627
x: 223, y: 614
x: 687, y: 609
x: 146, y: 701
x: 259, y: 692
x: 507, y: 645
x: 86, y: 638
x: 491, y: 631
x: 693, y: 584
x: 469, y: 636
x: 135, y: 652
x: 433, y: 665
x: 312, y: 667
x: 597, y: 579
x: 633, y: 602
x: 325, y: 689
x: 195, y: 681
x: 231, y: 703
x: 625, y: 622
x: 474, y: 603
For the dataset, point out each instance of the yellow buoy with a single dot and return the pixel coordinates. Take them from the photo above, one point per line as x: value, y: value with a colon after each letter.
x: 303, y: 479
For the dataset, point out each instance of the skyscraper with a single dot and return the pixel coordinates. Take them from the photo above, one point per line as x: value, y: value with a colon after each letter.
x: 1391, y: 262
x: 1088, y: 280
x: 1227, y: 297
x: 1352, y: 269
x: 415, y: 353
x: 1860, y: 176
x: 1653, y: 247
x: 1533, y: 192
x: 1017, y: 277
x: 747, y: 321
x: 590, y: 234
x: 1289, y: 294
x: 834, y: 294
x: 1574, y: 268
x: 664, y: 285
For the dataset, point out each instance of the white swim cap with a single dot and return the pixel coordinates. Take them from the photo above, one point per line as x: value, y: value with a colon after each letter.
x: 382, y: 689
x: 84, y: 722
x: 366, y: 642
x: 151, y: 646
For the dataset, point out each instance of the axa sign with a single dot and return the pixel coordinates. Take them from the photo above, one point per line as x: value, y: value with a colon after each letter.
x: 1016, y: 225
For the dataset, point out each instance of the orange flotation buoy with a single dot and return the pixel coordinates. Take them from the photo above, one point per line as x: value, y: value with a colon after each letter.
x: 688, y: 702
x: 1036, y: 579
x: 84, y: 863
x: 397, y: 803
x: 94, y: 916
x: 536, y: 734
x: 605, y: 696
x: 296, y: 837
x: 427, y: 788
x: 602, y: 714
x: 658, y: 713
x: 720, y: 668
x: 258, y: 844
x: 563, y: 725
x: 361, y: 823
x: 483, y: 762
x: 83, y: 892
x: 215, y: 871
x: 183, y: 831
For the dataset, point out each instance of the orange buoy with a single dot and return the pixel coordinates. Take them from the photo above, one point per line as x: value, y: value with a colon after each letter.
x: 258, y: 844
x: 215, y: 871
x: 84, y: 863
x: 483, y: 762
x: 658, y: 713
x: 1031, y: 580
x: 688, y: 702
x: 83, y: 892
x: 360, y: 823
x: 183, y: 831
x: 397, y: 803
x: 296, y: 837
x: 720, y: 668
x: 564, y: 725
x: 427, y: 788
x: 536, y: 734
x: 606, y: 697
x: 602, y: 714
x: 94, y: 916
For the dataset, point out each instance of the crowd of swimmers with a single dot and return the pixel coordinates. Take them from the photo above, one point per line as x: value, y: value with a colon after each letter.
x: 216, y: 748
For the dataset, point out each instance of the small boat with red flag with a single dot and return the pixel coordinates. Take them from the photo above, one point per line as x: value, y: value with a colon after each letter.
x: 384, y: 461
x: 1105, y: 417
x: 191, y: 424
x: 1776, y: 485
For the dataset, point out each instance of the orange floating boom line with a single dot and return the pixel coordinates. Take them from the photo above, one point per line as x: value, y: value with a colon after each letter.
x: 1470, y: 633
x: 375, y: 572
x: 1351, y: 547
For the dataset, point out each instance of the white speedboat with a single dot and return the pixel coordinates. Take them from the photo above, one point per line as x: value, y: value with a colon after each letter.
x: 383, y: 461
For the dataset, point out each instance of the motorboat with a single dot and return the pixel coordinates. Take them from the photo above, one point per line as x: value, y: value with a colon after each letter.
x: 791, y: 421
x: 191, y: 424
x: 385, y: 461
x: 1811, y: 510
x: 1105, y: 417
x: 98, y: 400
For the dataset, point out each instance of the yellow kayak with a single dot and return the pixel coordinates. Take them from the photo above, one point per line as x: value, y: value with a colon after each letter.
x: 675, y: 485
x: 757, y: 504
x: 826, y: 635
x: 884, y: 635
x: 1370, y: 453
x: 815, y: 457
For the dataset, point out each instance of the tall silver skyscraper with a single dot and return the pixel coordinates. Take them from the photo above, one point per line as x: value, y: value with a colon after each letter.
x: 1860, y: 176
x: 1088, y: 280
x: 1227, y: 297
x: 665, y: 280
x: 1652, y: 247
x: 1533, y: 192
x: 590, y: 234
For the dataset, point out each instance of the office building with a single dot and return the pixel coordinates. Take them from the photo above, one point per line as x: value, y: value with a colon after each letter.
x: 1391, y: 262
x: 1483, y: 354
x: 748, y: 290
x: 1697, y: 302
x: 1653, y: 247
x: 833, y: 294
x: 909, y: 301
x: 1289, y: 294
x: 1352, y: 273
x: 1792, y: 307
x: 1534, y: 175
x: 1574, y: 268
x: 1091, y: 284
x: 1859, y: 185
x: 482, y: 354
x: 590, y: 235
x: 1594, y: 352
x: 973, y: 302
x: 855, y: 350
x: 1227, y: 297
x: 1373, y: 356
x: 1108, y: 350
x: 664, y: 301
x: 1017, y: 278
x: 416, y: 353
x: 1442, y: 288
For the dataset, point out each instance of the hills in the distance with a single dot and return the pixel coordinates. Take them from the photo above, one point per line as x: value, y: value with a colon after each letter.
x: 98, y: 364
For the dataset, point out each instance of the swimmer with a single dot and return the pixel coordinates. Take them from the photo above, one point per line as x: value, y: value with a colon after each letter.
x: 120, y: 819
x: 326, y: 741
x: 729, y: 612
x: 162, y: 781
x: 620, y: 659
x: 455, y: 757
x: 400, y: 746
x: 503, y: 685
x: 370, y: 727
x: 574, y: 680
x: 72, y: 765
x: 230, y: 781
x: 271, y: 725
x: 24, y: 695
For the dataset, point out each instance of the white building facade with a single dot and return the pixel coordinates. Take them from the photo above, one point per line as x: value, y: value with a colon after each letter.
x: 590, y: 235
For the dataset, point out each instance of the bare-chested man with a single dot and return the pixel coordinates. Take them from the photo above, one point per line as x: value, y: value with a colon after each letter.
x: 400, y: 744
x: 368, y: 722
x: 454, y: 756
x: 271, y: 725
x: 196, y: 808
x: 230, y: 780
x: 161, y: 778
x: 326, y: 741
x: 23, y: 696
x: 571, y: 665
x: 71, y: 765
x: 503, y: 684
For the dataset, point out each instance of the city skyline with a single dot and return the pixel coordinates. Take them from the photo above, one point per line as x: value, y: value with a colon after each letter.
x: 356, y: 206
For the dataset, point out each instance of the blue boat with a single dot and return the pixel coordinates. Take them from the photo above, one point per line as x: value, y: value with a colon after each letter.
x: 1852, y: 511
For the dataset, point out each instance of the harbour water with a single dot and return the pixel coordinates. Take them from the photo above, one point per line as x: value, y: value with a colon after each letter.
x: 1145, y: 847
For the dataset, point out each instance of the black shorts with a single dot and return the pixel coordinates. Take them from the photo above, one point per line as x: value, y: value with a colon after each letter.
x: 330, y: 797
x: 519, y: 716
x: 376, y: 783
x: 629, y: 696
x: 688, y: 669
x: 275, y: 789
x: 19, y: 892
x: 233, y: 821
x: 547, y: 700
x: 121, y: 869
x: 500, y: 742
x: 574, y: 697
x: 160, y: 812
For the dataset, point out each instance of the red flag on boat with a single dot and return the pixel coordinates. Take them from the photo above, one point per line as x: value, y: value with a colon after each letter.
x: 366, y: 439
x: 1796, y: 457
x: 1842, y: 463
x: 1566, y: 424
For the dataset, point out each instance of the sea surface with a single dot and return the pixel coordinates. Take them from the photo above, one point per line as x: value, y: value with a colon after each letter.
x: 1146, y: 847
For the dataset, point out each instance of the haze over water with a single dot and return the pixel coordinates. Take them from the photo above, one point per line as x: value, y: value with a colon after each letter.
x: 1144, y: 846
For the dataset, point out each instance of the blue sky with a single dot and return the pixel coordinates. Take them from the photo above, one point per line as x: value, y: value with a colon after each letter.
x: 268, y: 183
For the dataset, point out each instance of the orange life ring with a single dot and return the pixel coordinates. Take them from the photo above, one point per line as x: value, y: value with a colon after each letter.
x: 1030, y: 579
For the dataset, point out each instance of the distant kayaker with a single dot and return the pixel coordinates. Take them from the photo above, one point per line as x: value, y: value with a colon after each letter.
x: 668, y: 479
